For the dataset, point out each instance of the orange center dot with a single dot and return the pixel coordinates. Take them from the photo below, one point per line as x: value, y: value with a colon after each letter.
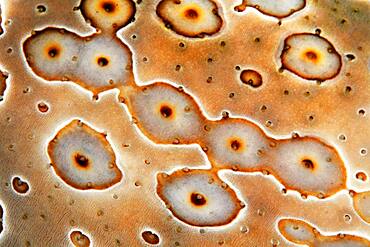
x: 191, y: 14
x: 307, y: 163
x: 311, y: 56
x: 166, y: 111
x: 198, y: 199
x: 82, y: 160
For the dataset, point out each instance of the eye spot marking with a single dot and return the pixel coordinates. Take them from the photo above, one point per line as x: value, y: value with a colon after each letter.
x: 311, y: 57
x: 97, y: 62
x: 198, y: 197
x: 83, y: 158
x: 108, y: 15
x: 190, y: 18
x: 166, y: 114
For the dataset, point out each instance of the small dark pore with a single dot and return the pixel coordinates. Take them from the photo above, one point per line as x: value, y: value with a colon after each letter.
x: 102, y: 61
x: 235, y: 145
x: 82, y: 160
x: 197, y: 199
x: 53, y: 52
x: 166, y: 111
x: 350, y: 57
x: 308, y: 164
x: 109, y: 7
x: 191, y: 14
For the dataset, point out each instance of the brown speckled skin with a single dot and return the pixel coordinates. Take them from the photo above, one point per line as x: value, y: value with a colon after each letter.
x: 129, y: 208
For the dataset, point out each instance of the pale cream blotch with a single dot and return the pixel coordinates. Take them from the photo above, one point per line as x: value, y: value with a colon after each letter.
x: 310, y: 56
x: 108, y: 15
x: 198, y: 197
x: 166, y: 114
x: 83, y: 158
x: 361, y: 203
x: 308, y: 166
x: 97, y: 63
x: 79, y: 239
x: 190, y: 18
x: 104, y: 63
x: 278, y: 9
x: 303, y: 233
x: 50, y: 53
x: 237, y: 144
